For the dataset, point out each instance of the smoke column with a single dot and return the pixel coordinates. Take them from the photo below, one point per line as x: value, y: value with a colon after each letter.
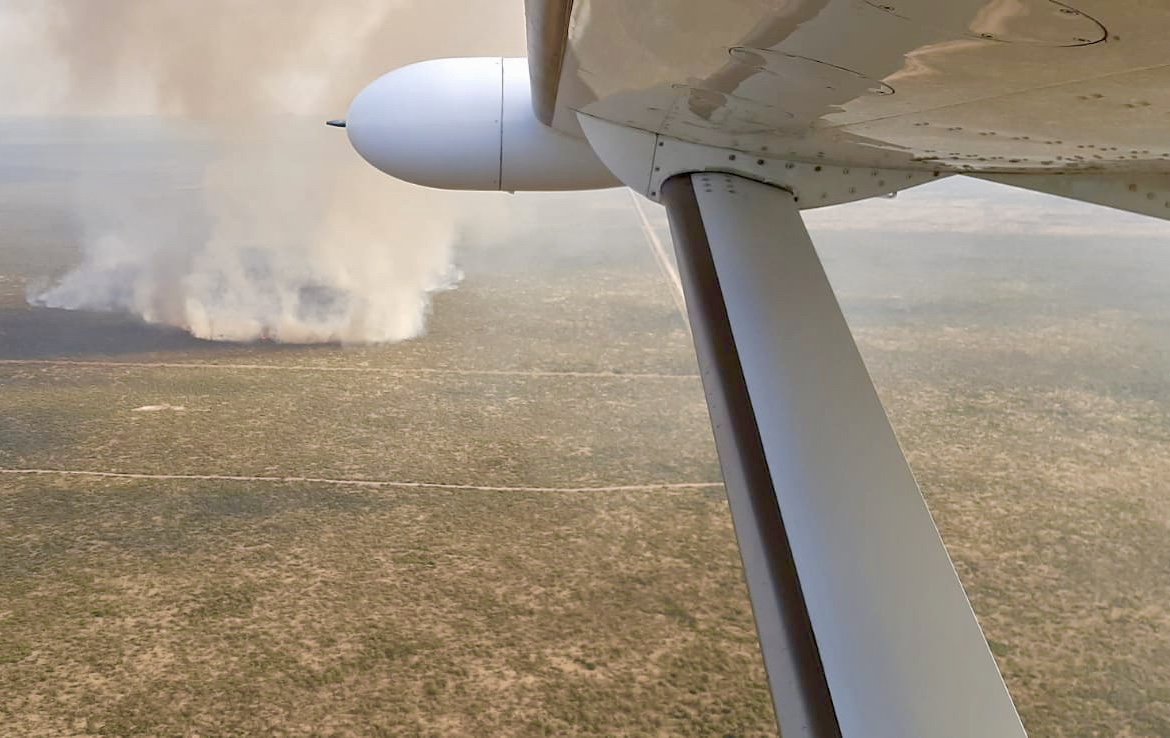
x: 280, y: 232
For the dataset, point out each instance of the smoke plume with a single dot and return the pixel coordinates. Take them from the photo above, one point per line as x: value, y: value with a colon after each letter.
x: 274, y: 229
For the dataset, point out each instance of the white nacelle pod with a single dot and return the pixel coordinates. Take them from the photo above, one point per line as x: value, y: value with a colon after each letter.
x: 467, y: 124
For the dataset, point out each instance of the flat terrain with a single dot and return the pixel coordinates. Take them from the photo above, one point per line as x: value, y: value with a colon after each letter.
x: 513, y: 525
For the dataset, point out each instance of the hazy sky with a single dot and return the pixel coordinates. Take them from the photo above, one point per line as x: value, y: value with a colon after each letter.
x: 224, y: 58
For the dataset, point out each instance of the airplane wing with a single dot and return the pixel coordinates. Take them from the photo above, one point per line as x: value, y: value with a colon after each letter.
x: 736, y: 115
x: 1014, y: 87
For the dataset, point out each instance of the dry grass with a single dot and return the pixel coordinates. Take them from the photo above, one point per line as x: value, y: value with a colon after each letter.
x: 1033, y: 402
x: 171, y: 609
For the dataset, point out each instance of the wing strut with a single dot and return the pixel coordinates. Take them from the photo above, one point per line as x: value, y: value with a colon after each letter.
x: 864, y: 626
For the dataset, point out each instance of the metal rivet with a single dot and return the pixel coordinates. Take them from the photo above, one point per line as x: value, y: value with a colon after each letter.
x: 731, y: 157
x: 817, y: 168
x: 760, y: 162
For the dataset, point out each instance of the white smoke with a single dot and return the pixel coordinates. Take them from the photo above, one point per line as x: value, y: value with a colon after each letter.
x: 281, y: 233
x: 275, y: 241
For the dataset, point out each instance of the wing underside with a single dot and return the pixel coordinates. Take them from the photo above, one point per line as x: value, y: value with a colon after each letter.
x: 969, y: 86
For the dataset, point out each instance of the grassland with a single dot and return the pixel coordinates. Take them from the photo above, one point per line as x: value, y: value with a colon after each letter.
x: 1033, y: 402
